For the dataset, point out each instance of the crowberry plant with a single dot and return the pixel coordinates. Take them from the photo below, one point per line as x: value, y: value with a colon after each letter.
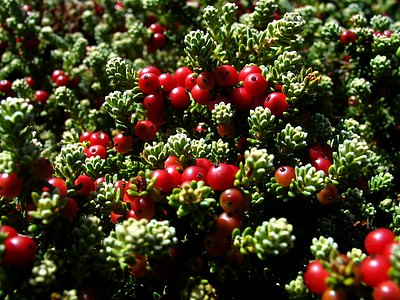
x: 166, y: 149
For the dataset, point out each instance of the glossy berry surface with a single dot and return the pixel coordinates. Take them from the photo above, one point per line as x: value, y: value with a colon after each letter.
x: 276, y: 102
x: 10, y: 185
x: 284, y: 175
x: 315, y: 277
x: 386, y: 290
x: 145, y: 130
x: 20, y: 251
x: 376, y: 240
x: 123, y: 143
x: 374, y: 270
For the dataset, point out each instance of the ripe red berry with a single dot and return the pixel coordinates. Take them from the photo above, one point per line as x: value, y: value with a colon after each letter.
x: 216, y: 243
x: 123, y: 143
x: 180, y: 98
x: 348, y: 37
x: 328, y: 194
x: 315, y: 277
x: 200, y: 95
x: 145, y: 130
x: 248, y: 70
x: 96, y: 150
x: 149, y: 83
x: 376, y: 240
x: 322, y: 163
x: 84, y: 185
x: 85, y: 136
x: 167, y: 82
x: 10, y: 185
x: 231, y: 200
x: 386, y: 290
x: 241, y: 98
x: 374, y: 269
x: 43, y: 169
x: 180, y: 75
x: 62, y: 80
x: 320, y: 149
x: 255, y: 84
x: 41, y: 96
x: 5, y: 86
x: 150, y: 69
x: 221, y: 177
x: 227, y: 222
x: 284, y: 175
x: 99, y: 138
x: 164, y: 180
x: 55, y: 74
x: 9, y: 231
x: 60, y: 184
x: 226, y: 75
x: 206, y: 80
x: 154, y: 102
x: 157, y: 41
x: 157, y: 28
x: 226, y: 129
x: 195, y: 173
x: 276, y: 102
x: 190, y: 81
x: 20, y: 251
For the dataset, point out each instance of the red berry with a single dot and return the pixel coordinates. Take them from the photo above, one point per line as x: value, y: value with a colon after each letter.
x: 9, y: 231
x: 164, y: 181
x: 226, y: 129
x: 386, y: 290
x: 348, y: 37
x: 141, y: 207
x: 190, y: 81
x: 284, y: 175
x: 374, y: 269
x: 376, y: 240
x: 5, y: 86
x: 175, y: 172
x: 320, y: 149
x: 41, y: 96
x: 206, y: 80
x: 154, y: 102
x: 10, y: 185
x: 85, y: 136
x: 322, y: 164
x: 221, y: 177
x: 145, y: 130
x: 55, y: 75
x: 123, y: 143
x: 167, y: 82
x: 195, y: 173
x: 231, y: 200
x: 315, y: 277
x: 248, y: 70
x: 20, y: 251
x: 227, y: 222
x: 200, y: 95
x: 180, y: 98
x: 150, y: 69
x: 328, y: 194
x: 149, y: 83
x: 241, y: 98
x: 85, y: 185
x: 157, y: 41
x: 62, y: 80
x: 276, y: 102
x: 216, y: 243
x: 114, y: 217
x: 226, y: 75
x: 255, y: 84
x: 100, y: 138
x: 43, y: 169
x: 96, y: 150
x: 180, y: 75
x: 58, y: 183
x: 157, y: 28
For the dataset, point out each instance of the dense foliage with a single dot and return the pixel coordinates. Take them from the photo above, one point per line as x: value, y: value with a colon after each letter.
x: 167, y: 149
